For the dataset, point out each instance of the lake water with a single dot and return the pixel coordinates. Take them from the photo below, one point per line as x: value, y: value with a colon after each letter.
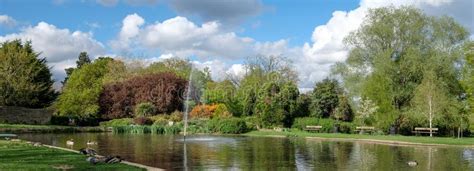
x: 264, y: 153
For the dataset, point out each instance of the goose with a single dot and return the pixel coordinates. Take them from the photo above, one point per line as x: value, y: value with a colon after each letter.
x: 412, y: 163
x: 88, y: 151
x: 70, y: 142
x: 89, y: 142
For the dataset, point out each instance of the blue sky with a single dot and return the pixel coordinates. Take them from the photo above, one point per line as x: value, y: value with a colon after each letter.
x: 215, y: 34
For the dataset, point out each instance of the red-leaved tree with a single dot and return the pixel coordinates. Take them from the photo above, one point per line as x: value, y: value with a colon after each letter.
x: 164, y: 90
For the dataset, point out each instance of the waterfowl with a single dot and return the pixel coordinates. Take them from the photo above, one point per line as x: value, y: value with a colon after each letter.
x: 412, y: 163
x: 89, y: 142
x: 88, y: 151
x: 70, y: 142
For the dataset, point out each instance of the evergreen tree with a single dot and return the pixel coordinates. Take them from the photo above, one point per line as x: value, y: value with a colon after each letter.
x: 25, y: 79
x: 82, y: 59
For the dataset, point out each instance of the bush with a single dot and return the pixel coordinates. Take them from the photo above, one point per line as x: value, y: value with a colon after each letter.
x: 59, y: 120
x: 252, y: 122
x: 230, y: 126
x: 176, y: 116
x: 203, y: 111
x: 142, y: 121
x: 199, y: 126
x: 327, y: 124
x: 160, y: 120
x: 221, y: 112
x: 145, y: 109
x: 117, y: 122
x: 346, y: 127
x: 301, y: 123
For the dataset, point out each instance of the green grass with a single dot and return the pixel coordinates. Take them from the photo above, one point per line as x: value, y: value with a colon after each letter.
x: 20, y: 128
x: 22, y: 156
x: 410, y: 139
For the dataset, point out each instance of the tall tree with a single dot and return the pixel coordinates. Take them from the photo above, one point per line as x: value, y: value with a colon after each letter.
x: 468, y: 77
x: 325, y: 98
x: 25, y: 79
x: 82, y: 59
x: 389, y: 54
x: 80, y: 96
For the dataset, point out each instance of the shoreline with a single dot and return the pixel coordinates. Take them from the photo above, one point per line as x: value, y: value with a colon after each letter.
x: 123, y: 161
x: 378, y: 139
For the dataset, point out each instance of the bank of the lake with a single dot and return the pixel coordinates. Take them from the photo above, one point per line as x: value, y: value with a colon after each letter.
x: 389, y: 139
x: 21, y: 128
x: 23, y: 156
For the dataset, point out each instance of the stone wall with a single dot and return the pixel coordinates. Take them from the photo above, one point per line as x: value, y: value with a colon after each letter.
x: 21, y: 115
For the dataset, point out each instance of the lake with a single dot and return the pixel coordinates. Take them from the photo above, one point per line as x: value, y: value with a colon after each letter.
x: 205, y: 152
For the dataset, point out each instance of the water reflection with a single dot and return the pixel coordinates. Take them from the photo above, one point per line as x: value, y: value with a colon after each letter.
x: 259, y: 153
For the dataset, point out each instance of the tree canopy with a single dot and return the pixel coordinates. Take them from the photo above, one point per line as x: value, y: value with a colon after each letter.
x: 25, y: 79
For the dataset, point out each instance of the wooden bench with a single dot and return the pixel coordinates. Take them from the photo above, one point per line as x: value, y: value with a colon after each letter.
x: 313, y: 128
x: 8, y: 136
x: 420, y: 130
x: 363, y: 129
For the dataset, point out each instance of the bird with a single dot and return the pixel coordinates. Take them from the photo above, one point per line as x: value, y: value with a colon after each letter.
x: 412, y: 163
x: 88, y: 151
x: 89, y: 142
x: 70, y: 142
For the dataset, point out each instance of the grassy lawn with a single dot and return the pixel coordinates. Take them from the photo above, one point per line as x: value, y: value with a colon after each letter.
x: 22, y: 156
x: 19, y: 128
x: 410, y: 139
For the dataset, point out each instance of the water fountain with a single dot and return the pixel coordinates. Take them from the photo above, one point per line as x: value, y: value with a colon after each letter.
x: 186, y: 104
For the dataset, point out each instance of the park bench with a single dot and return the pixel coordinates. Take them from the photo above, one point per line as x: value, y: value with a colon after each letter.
x: 313, y: 128
x: 363, y: 129
x: 8, y: 136
x: 420, y: 130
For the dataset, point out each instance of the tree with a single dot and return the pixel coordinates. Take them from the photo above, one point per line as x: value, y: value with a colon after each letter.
x: 80, y: 96
x: 468, y: 77
x: 276, y: 104
x: 325, y: 98
x: 343, y: 111
x: 82, y: 59
x: 366, y: 110
x: 25, y: 79
x: 164, y: 90
x: 390, y: 53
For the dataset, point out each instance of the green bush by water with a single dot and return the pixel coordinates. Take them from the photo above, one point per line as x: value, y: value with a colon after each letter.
x: 327, y: 124
x: 117, y: 122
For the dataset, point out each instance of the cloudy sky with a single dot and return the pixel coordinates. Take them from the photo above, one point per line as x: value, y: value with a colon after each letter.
x: 219, y: 34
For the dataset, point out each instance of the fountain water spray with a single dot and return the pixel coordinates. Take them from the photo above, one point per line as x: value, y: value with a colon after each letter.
x: 186, y: 109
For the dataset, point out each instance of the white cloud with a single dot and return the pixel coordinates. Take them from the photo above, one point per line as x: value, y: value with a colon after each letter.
x: 7, y: 21
x: 60, y: 47
x: 181, y: 37
x: 130, y: 29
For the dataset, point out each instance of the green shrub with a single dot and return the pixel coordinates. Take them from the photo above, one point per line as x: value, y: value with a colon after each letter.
x: 145, y: 109
x: 301, y: 123
x: 221, y: 112
x: 176, y: 116
x: 198, y: 126
x: 252, y: 122
x: 117, y: 122
x: 174, y: 129
x: 327, y: 125
x: 142, y: 121
x: 231, y: 126
x: 346, y: 127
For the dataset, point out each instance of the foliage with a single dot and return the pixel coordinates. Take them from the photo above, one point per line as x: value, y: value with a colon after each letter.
x: 327, y: 124
x: 325, y: 98
x: 468, y: 77
x: 80, y: 95
x: 176, y: 116
x: 391, y: 53
x: 141, y: 120
x: 145, y: 109
x: 343, y: 110
x: 276, y: 104
x: 221, y: 111
x: 25, y: 79
x: 203, y: 111
x: 163, y: 90
x: 83, y: 59
x: 230, y: 126
x: 367, y: 109
x: 301, y: 123
x: 117, y: 122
